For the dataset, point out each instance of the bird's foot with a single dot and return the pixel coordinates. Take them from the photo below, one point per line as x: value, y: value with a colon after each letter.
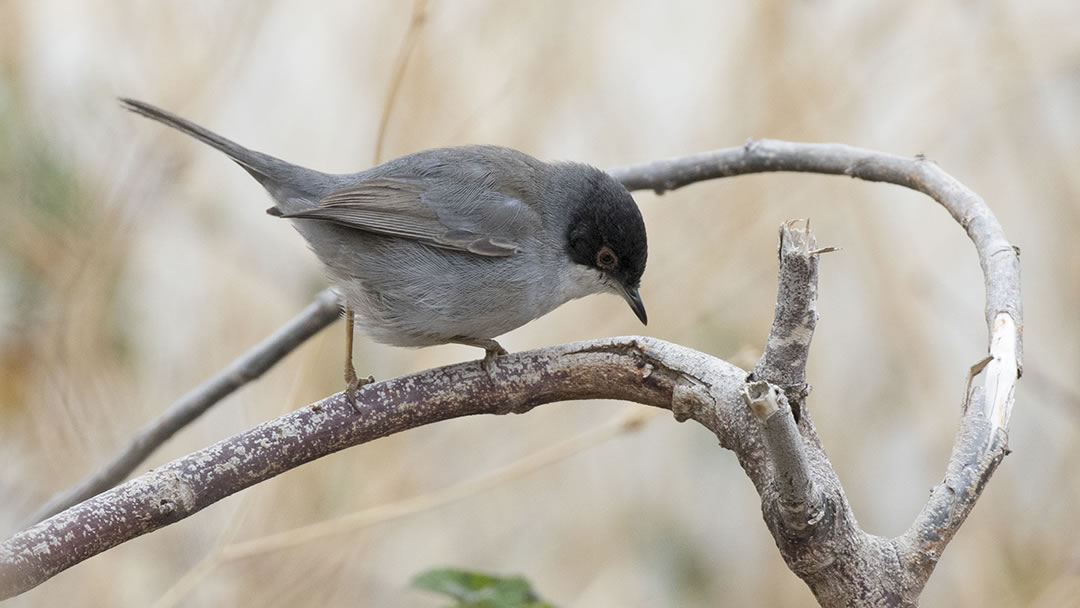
x: 491, y: 351
x: 352, y: 384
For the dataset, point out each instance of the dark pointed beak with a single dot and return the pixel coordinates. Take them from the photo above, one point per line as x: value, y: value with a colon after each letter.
x: 633, y: 298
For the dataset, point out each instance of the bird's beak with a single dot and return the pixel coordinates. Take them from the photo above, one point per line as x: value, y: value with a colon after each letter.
x: 633, y: 298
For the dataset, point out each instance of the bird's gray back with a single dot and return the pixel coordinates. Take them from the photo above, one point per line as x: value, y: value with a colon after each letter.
x: 484, y: 189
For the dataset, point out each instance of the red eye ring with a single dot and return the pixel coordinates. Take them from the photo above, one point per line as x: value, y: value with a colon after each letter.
x: 606, y: 258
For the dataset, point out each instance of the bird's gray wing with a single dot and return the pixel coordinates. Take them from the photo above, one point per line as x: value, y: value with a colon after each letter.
x: 460, y: 216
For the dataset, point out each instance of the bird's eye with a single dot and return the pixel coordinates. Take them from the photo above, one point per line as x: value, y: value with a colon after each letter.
x: 606, y: 259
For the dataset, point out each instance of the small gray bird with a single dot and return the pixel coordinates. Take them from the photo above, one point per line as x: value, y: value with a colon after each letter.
x: 453, y: 244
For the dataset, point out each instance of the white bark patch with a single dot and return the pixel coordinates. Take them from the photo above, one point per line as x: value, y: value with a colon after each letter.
x: 1002, y: 371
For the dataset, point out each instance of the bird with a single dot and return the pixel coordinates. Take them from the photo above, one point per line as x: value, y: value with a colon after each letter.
x: 452, y: 245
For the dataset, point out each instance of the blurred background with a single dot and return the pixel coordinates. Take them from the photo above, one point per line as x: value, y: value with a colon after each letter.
x: 135, y: 262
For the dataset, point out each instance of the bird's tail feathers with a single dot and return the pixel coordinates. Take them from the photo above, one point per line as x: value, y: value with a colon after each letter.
x: 260, y: 166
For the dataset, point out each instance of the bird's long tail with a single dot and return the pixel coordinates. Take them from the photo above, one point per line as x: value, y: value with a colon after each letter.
x: 293, y: 187
x: 261, y: 166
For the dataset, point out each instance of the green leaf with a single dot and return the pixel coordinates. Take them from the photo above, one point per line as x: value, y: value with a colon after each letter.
x: 479, y: 589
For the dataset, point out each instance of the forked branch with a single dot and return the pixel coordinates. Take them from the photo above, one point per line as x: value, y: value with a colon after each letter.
x: 761, y: 416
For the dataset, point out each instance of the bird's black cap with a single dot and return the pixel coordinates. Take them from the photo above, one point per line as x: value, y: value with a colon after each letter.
x: 606, y: 231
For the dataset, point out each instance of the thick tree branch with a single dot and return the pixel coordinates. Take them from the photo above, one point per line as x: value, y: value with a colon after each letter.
x: 249, y: 366
x: 636, y: 369
x: 802, y: 500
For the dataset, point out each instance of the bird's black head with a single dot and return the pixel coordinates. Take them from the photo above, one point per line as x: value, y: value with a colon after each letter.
x: 606, y: 232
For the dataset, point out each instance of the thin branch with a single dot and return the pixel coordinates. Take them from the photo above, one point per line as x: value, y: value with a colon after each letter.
x: 323, y: 311
x: 1000, y: 261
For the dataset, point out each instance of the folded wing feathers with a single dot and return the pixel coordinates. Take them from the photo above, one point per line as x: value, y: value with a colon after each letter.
x: 395, y: 208
x: 466, y: 240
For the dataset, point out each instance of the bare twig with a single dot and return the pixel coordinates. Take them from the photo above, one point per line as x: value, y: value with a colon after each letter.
x: 252, y: 364
x: 999, y: 260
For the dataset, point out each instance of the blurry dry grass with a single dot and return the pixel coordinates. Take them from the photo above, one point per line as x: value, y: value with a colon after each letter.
x: 133, y: 263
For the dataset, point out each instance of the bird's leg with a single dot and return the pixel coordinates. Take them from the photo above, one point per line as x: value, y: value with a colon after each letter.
x: 352, y: 382
x: 491, y: 348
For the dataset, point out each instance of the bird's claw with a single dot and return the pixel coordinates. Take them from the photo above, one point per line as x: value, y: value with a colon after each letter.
x: 351, y: 386
x: 488, y: 362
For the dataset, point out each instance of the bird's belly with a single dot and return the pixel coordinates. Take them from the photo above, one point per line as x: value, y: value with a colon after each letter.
x: 419, y: 296
x: 413, y: 317
x: 408, y: 294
